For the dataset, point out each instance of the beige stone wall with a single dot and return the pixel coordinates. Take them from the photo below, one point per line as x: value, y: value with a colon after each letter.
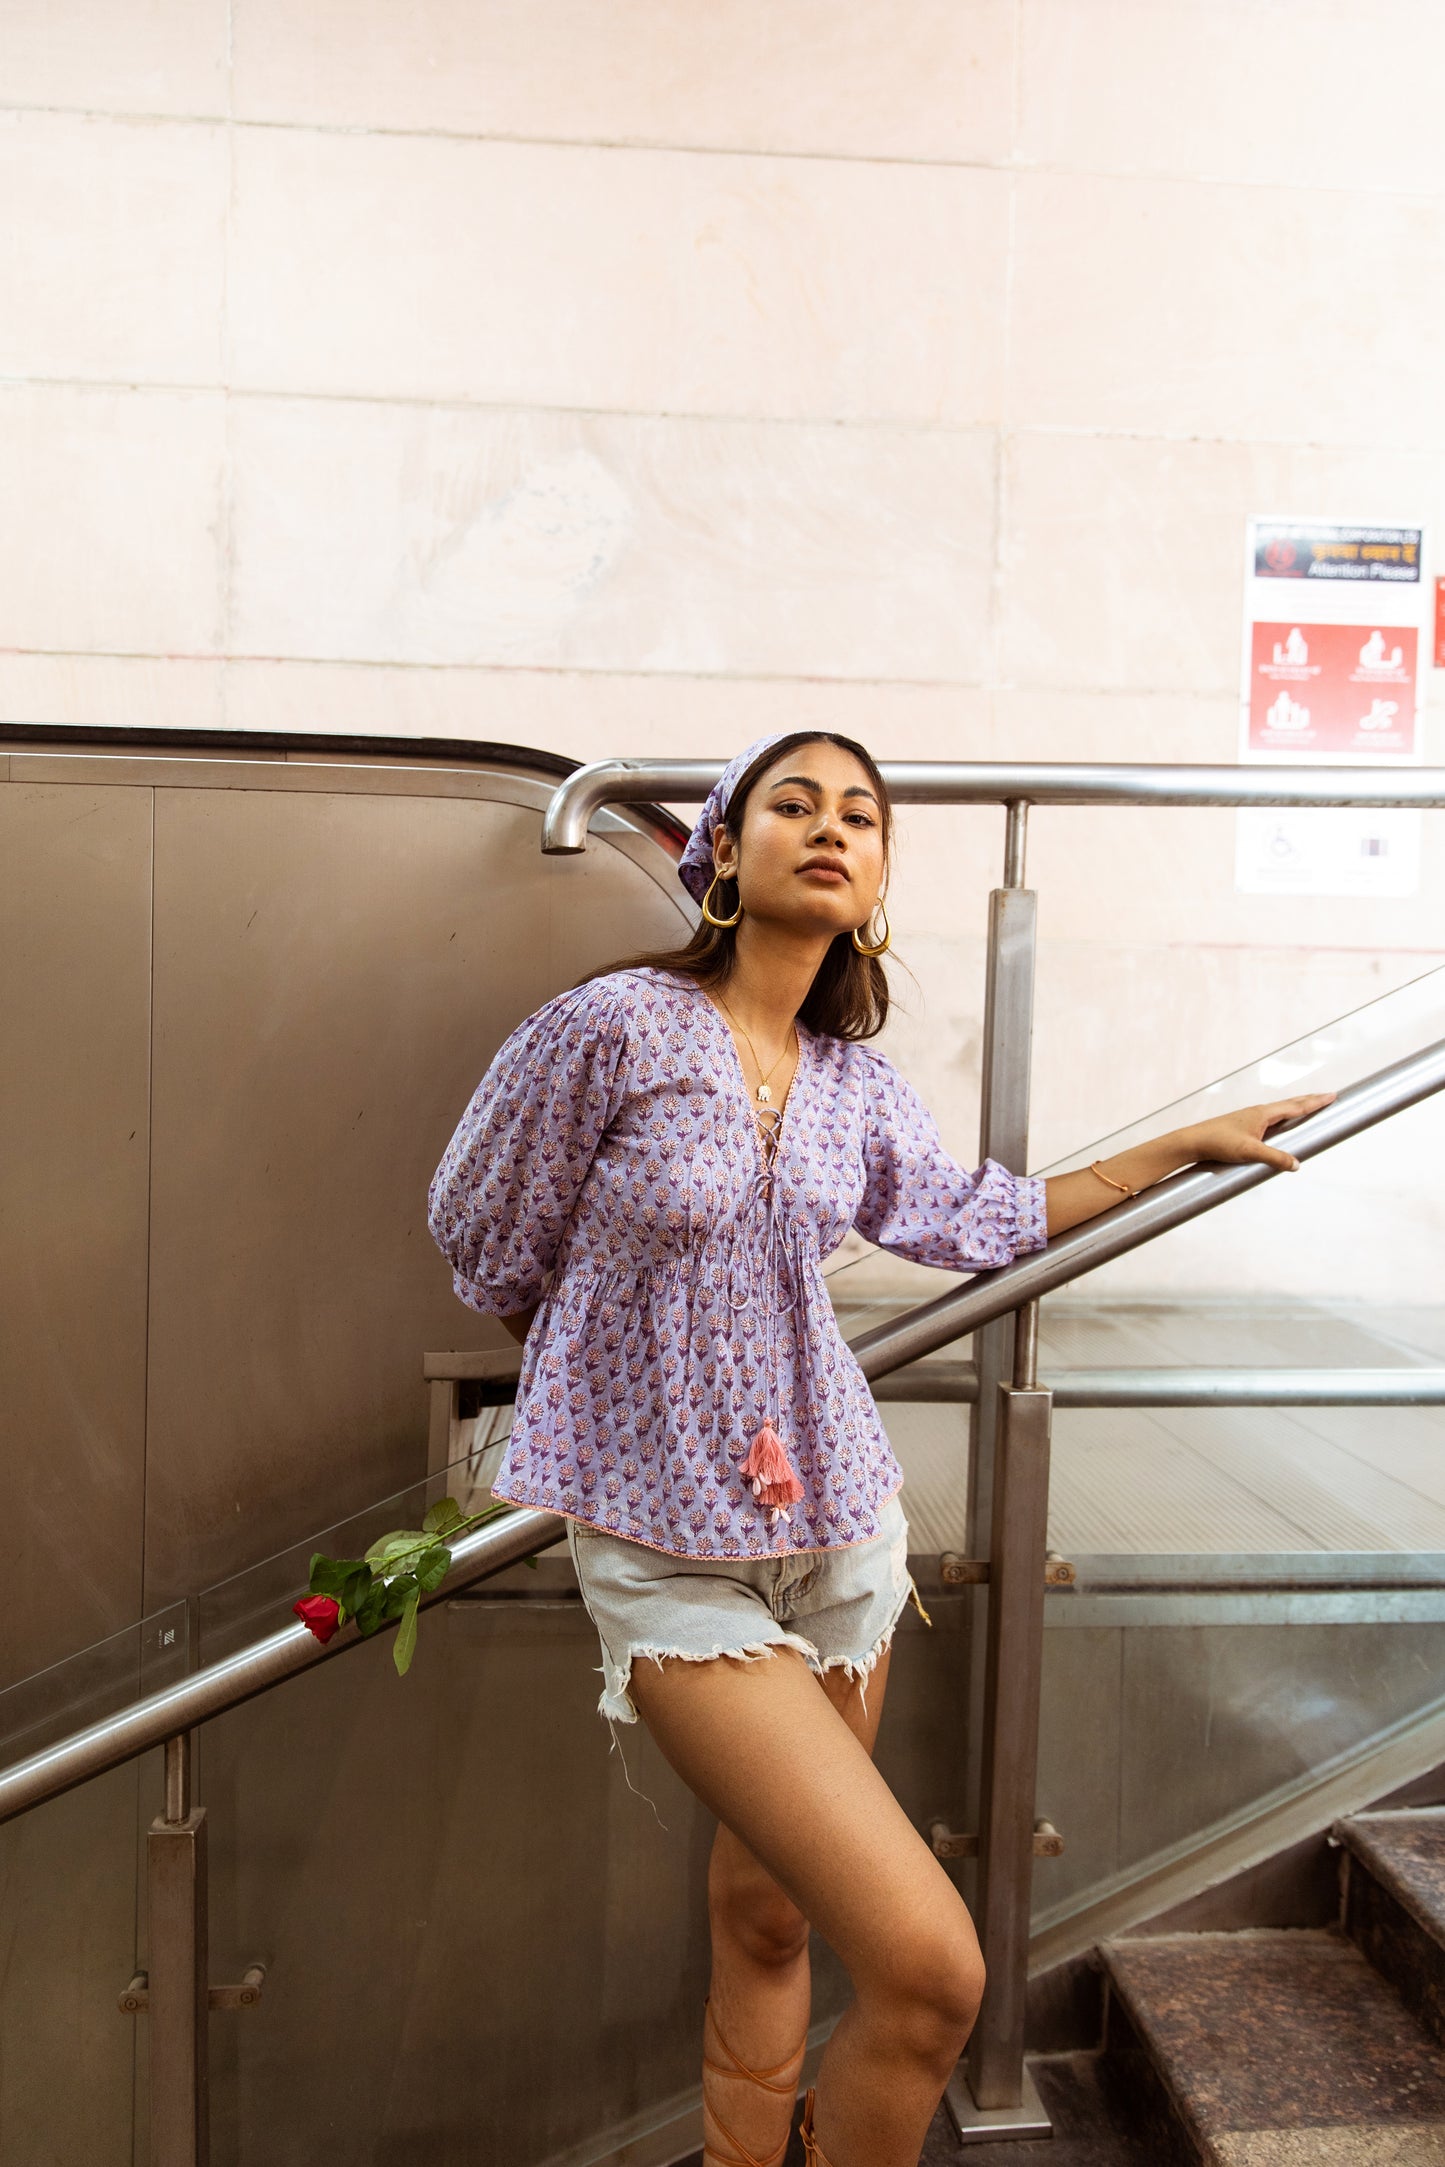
x: 638, y: 377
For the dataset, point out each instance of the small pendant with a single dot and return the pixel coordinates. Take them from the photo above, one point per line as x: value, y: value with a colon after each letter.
x: 765, y: 1092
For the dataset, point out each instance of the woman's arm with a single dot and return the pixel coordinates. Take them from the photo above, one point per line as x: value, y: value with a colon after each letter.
x: 1229, y: 1140
x: 520, y: 1324
x: 509, y: 1180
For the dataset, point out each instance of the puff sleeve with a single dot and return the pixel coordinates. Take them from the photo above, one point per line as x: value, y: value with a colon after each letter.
x: 500, y: 1200
x: 920, y: 1203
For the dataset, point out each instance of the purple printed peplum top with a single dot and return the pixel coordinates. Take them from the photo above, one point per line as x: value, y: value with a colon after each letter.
x: 609, y: 1168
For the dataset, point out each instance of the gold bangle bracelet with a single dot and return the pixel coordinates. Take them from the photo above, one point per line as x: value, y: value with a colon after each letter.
x: 1123, y: 1187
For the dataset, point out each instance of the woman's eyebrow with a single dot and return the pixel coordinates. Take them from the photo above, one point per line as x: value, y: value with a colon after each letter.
x: 854, y: 790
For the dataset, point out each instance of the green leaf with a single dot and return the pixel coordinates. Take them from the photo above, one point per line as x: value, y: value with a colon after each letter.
x: 353, y: 1590
x: 399, y: 1593
x: 396, y: 1544
x: 372, y: 1611
x: 443, y: 1517
x: 433, y: 1567
x: 329, y: 1575
x: 405, y: 1645
x: 532, y: 1561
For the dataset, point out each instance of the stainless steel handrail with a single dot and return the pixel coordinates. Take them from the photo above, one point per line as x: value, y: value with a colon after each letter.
x: 956, y: 1383
x: 991, y: 782
x: 251, y: 1670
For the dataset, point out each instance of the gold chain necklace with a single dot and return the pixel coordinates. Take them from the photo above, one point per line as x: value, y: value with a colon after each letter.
x: 765, y: 1089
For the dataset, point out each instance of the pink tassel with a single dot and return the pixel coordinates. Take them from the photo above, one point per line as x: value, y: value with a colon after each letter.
x: 771, y: 1474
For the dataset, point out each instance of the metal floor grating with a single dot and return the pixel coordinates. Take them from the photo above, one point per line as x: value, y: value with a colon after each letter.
x: 1210, y: 1481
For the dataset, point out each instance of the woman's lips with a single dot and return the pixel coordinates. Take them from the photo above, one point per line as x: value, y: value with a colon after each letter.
x: 824, y: 872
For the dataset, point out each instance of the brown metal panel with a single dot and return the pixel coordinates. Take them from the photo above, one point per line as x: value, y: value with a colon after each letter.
x: 333, y: 974
x: 75, y: 999
x: 68, y: 1900
x: 520, y: 1941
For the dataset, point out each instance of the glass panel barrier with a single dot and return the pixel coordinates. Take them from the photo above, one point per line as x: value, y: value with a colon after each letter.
x: 162, y: 1649
x: 258, y: 1601
x: 97, y: 1682
x: 1338, y: 1266
x: 1270, y: 1239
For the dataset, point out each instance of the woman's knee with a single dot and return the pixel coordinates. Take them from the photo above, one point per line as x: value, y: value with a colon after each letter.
x: 927, y: 1988
x: 749, y: 1909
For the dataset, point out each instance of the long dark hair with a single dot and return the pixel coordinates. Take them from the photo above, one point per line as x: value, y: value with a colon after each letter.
x: 849, y: 994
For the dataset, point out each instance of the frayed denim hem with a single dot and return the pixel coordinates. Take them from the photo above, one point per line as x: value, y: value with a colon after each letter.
x: 616, y: 1701
x: 859, y: 1669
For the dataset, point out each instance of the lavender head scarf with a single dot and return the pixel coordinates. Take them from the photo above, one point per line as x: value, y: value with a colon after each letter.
x: 695, y: 866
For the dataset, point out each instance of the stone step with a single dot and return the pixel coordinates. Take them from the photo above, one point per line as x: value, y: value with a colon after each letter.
x: 1395, y: 1903
x: 1271, y: 2049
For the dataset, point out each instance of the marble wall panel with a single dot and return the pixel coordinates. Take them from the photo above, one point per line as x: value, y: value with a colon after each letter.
x: 142, y: 56
x: 589, y: 716
x: 115, y: 271
x: 112, y: 691
x: 1212, y: 310
x: 132, y: 563
x: 435, y: 535
x: 1124, y: 556
x: 1312, y: 93
x: 649, y: 281
x: 1165, y: 878
x: 1062, y: 723
x: 921, y: 80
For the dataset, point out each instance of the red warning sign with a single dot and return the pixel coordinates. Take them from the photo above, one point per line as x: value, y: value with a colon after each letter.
x: 1322, y: 689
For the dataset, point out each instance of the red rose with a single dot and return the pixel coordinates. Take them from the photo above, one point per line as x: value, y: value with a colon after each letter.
x: 320, y: 1614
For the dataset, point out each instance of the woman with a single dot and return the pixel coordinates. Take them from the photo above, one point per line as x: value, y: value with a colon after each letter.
x: 644, y: 1188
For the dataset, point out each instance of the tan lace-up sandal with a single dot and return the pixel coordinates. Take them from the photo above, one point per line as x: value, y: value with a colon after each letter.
x: 768, y: 2080
x: 812, y: 2151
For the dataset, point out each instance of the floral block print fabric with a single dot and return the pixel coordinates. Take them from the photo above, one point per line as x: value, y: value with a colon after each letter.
x: 609, y: 1169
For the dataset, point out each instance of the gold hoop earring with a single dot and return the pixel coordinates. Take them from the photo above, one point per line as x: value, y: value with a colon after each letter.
x: 883, y: 946
x: 707, y: 914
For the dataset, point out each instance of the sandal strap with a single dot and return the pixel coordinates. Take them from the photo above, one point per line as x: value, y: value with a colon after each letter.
x: 740, y: 2155
x: 739, y: 2068
x: 812, y: 2150
x: 734, y: 2067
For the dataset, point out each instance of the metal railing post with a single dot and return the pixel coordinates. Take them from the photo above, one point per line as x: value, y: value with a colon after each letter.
x: 178, y: 1984
x: 1014, y: 1662
x: 1003, y: 1134
x: 1008, y: 1030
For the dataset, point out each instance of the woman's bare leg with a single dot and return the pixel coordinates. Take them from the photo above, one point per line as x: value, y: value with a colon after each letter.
x: 768, y: 1751
x: 761, y: 1988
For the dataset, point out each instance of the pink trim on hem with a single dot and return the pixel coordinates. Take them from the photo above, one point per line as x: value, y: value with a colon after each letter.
x: 744, y: 1557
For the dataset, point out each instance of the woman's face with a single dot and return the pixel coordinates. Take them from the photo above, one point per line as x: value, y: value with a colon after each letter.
x: 811, y: 850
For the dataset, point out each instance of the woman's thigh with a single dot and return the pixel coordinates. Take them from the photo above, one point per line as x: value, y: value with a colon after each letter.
x: 737, y: 1877
x: 785, y: 1764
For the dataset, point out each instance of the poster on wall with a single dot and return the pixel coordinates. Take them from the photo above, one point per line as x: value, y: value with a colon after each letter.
x: 1336, y: 635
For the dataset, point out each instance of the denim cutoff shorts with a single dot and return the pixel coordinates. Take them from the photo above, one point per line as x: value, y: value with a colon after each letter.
x: 837, y: 1608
